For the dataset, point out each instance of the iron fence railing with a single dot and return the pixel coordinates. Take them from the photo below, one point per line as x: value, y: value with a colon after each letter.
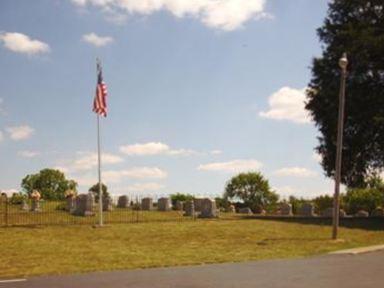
x: 56, y: 213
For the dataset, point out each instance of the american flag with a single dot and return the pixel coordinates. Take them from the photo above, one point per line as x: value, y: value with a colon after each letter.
x: 100, y: 102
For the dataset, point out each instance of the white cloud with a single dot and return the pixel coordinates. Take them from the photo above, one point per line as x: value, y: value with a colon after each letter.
x: 98, y: 41
x: 88, y: 160
x: 139, y: 187
x: 295, y: 172
x: 234, y: 166
x: 1, y: 136
x: 20, y: 132
x: 28, y: 154
x: 226, y: 15
x: 287, y: 104
x: 153, y: 148
x: 21, y: 43
x: 116, y: 176
x: 216, y: 152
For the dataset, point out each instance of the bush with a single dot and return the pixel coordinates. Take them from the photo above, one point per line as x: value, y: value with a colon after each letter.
x: 297, y: 203
x: 18, y: 198
x: 323, y: 202
x: 180, y: 197
x: 363, y: 199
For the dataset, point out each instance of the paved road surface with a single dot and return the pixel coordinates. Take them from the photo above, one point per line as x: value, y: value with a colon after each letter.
x: 362, y: 271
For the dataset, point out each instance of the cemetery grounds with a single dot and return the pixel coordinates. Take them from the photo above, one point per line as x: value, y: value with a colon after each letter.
x: 142, y: 239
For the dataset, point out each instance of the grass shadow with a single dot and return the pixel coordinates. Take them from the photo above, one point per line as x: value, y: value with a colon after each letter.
x: 369, y: 223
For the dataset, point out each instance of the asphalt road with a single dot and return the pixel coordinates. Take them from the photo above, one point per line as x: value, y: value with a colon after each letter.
x: 363, y: 270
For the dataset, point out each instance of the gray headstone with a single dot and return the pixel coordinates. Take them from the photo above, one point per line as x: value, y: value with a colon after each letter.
x: 208, y: 208
x: 198, y: 202
x: 329, y: 213
x: 123, y: 202
x: 179, y: 205
x: 164, y: 204
x: 70, y: 204
x: 146, y: 204
x: 189, y: 208
x: 35, y: 205
x: 245, y: 210
x: 307, y: 209
x: 286, y: 209
x: 84, y: 204
x: 231, y: 209
x: 107, y: 204
x: 24, y: 206
x: 362, y: 214
x: 378, y: 212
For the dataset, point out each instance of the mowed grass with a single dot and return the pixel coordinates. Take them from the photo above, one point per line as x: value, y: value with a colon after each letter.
x: 81, y: 248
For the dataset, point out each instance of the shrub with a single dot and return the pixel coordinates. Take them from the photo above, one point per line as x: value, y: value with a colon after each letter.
x: 180, y: 197
x: 323, y: 202
x: 17, y: 198
x: 363, y: 199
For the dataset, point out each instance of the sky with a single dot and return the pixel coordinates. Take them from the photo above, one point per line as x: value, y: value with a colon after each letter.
x: 198, y: 91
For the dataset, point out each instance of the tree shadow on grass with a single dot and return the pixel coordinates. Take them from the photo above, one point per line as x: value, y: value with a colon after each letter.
x: 370, y: 223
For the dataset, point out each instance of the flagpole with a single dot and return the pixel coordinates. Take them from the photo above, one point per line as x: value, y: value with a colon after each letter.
x: 99, y: 169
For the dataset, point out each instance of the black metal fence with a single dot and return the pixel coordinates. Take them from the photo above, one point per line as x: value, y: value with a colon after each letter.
x: 56, y: 213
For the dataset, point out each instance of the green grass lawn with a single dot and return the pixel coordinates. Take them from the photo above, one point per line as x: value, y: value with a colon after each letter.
x: 81, y: 248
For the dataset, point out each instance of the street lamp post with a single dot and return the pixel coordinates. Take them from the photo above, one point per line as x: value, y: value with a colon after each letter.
x: 343, y: 62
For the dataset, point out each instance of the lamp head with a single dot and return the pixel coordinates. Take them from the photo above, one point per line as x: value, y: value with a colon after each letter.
x: 343, y: 62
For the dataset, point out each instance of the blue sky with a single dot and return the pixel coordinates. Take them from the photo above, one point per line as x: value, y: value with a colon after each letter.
x: 198, y: 91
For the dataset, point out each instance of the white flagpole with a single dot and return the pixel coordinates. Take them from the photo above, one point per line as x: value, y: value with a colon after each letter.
x: 99, y: 169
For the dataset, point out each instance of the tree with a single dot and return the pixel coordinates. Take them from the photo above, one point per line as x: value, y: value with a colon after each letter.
x: 363, y: 199
x: 355, y: 27
x: 180, y: 197
x: 95, y: 190
x: 51, y: 184
x: 253, y: 189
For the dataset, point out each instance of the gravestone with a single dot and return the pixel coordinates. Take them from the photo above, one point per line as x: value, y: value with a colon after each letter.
x: 189, y: 208
x: 378, y: 212
x: 208, y: 208
x: 327, y: 212
x: 107, y: 203
x: 146, y: 204
x: 198, y: 202
x: 35, y: 205
x: 362, y: 214
x: 70, y: 204
x: 307, y: 210
x: 84, y: 204
x: 164, y: 204
x: 231, y: 209
x: 123, y: 202
x: 24, y: 206
x: 179, y: 205
x: 245, y: 210
x: 286, y: 209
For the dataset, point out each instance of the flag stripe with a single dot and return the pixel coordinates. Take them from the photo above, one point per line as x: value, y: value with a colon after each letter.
x: 100, y: 101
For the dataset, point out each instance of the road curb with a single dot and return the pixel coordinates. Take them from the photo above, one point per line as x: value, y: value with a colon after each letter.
x: 359, y: 250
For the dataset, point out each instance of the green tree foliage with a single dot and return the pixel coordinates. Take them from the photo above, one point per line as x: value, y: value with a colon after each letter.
x: 355, y: 27
x: 51, y: 184
x: 363, y: 199
x: 323, y: 202
x: 180, y: 197
x: 297, y: 203
x: 253, y: 189
x: 96, y: 191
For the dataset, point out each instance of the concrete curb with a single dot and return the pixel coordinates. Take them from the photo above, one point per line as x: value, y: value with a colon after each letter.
x: 359, y: 250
